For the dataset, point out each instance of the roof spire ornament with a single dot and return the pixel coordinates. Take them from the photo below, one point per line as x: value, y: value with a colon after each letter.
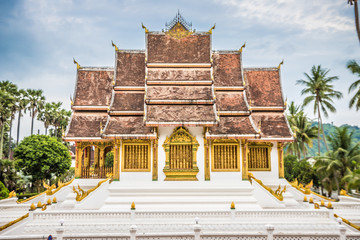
x: 146, y: 30
x: 243, y: 46
x: 282, y: 62
x: 71, y: 101
x: 77, y: 64
x: 113, y: 44
x: 212, y: 28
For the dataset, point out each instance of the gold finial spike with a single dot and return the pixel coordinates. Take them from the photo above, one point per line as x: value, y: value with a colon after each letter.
x: 305, y: 199
x: 71, y: 101
x: 329, y: 205
x: 281, y: 63
x: 77, y: 64
x: 32, y: 207
x: 285, y: 103
x: 39, y: 205
x: 113, y: 44
x: 322, y: 204
x: 311, y: 200
x: 146, y: 30
x: 48, y: 201
x: 133, y: 206
x: 54, y: 200
x: 212, y: 28
x: 243, y: 46
x: 232, y: 206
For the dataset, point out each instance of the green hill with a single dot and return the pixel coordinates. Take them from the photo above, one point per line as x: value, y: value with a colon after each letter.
x: 328, y: 129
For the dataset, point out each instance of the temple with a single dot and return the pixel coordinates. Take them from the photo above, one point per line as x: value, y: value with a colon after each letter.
x: 179, y: 141
x: 179, y: 111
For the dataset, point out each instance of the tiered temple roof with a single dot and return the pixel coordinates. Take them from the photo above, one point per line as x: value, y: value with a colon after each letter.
x: 178, y: 80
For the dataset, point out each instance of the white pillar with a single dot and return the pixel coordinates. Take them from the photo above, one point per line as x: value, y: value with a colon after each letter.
x: 270, y: 230
x: 232, y: 213
x: 342, y: 230
x: 197, y: 230
x: 133, y: 229
x: 59, y: 233
x: 132, y: 214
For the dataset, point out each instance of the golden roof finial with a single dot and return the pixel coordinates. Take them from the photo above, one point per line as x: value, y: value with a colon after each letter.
x: 210, y: 31
x: 71, y: 101
x: 281, y: 63
x: 243, y: 46
x: 77, y: 64
x: 146, y: 30
x: 113, y: 44
x: 285, y: 103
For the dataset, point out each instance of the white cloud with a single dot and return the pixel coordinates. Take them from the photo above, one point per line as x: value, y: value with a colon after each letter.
x: 307, y: 15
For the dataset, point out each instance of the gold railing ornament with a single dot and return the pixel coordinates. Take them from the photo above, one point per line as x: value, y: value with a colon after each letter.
x: 316, y: 206
x: 329, y: 206
x: 81, y: 194
x: 232, y: 206
x: 32, y: 207
x: 343, y: 192
x: 348, y: 222
x: 49, y: 201
x: 13, y: 222
x: 311, y: 200
x: 278, y: 194
x: 39, y: 205
x: 48, y: 188
x: 132, y: 206
x: 305, y: 199
x: 54, y: 200
x: 11, y: 194
x: 322, y: 204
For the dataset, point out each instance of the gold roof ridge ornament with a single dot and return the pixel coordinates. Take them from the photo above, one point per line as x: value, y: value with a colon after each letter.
x: 243, y: 46
x: 211, y: 29
x: 178, y: 27
x: 146, y: 30
x: 77, y: 64
x: 71, y: 100
x: 281, y: 63
x: 114, y: 45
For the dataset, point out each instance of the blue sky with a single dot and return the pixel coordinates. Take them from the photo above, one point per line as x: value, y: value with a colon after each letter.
x: 39, y: 38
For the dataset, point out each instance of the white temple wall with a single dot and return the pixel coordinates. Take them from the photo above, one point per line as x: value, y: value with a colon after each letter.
x: 274, y: 173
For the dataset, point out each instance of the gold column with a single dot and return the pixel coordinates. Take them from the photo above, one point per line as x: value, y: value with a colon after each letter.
x: 96, y: 157
x: 207, y: 162
x: 78, y: 160
x: 280, y: 147
x: 244, y: 149
x: 102, y: 158
x: 155, y: 160
x: 87, y: 157
x: 116, y: 168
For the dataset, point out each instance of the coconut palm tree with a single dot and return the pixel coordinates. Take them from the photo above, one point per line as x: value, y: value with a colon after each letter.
x: 48, y: 114
x: 6, y: 102
x: 22, y: 107
x: 36, y: 102
x: 320, y: 91
x: 354, y: 67
x: 356, y: 10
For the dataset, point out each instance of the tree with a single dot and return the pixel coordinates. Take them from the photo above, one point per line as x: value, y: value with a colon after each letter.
x: 356, y: 10
x: 320, y: 90
x: 6, y: 102
x: 4, y: 192
x: 22, y: 107
x: 48, y: 114
x: 354, y: 67
x: 36, y: 102
x: 8, y: 174
x: 300, y: 170
x: 41, y: 157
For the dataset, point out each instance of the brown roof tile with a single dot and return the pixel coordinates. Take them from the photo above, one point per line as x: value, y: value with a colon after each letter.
x: 227, y: 69
x: 131, y: 125
x: 230, y: 101
x: 234, y: 125
x: 180, y: 113
x: 130, y: 68
x: 128, y: 101
x: 264, y: 87
x: 179, y: 93
x: 93, y: 87
x: 165, y: 49
x: 273, y: 125
x: 179, y: 74
x: 86, y: 124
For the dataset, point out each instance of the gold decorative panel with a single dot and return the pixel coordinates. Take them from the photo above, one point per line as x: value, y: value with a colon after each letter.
x: 136, y: 157
x: 180, y: 151
x: 259, y: 156
x: 225, y: 156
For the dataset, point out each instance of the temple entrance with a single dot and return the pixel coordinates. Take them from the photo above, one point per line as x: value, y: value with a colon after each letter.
x: 180, y: 150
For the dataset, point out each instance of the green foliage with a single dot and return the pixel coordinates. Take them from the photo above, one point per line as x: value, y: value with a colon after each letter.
x: 25, y: 196
x: 300, y: 170
x: 8, y: 174
x: 42, y: 156
x: 4, y: 192
x: 109, y: 159
x: 67, y: 176
x: 354, y: 67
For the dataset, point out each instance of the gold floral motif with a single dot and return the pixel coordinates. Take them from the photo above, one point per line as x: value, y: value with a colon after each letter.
x: 179, y: 31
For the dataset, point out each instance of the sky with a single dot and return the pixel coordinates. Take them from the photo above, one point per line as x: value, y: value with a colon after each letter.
x: 39, y: 38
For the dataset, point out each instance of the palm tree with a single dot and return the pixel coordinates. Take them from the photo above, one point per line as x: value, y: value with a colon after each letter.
x: 355, y: 69
x: 22, y: 106
x: 356, y: 10
x: 352, y: 180
x: 12, y: 89
x: 6, y: 102
x: 321, y: 91
x: 48, y: 114
x: 61, y: 121
x: 36, y: 102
